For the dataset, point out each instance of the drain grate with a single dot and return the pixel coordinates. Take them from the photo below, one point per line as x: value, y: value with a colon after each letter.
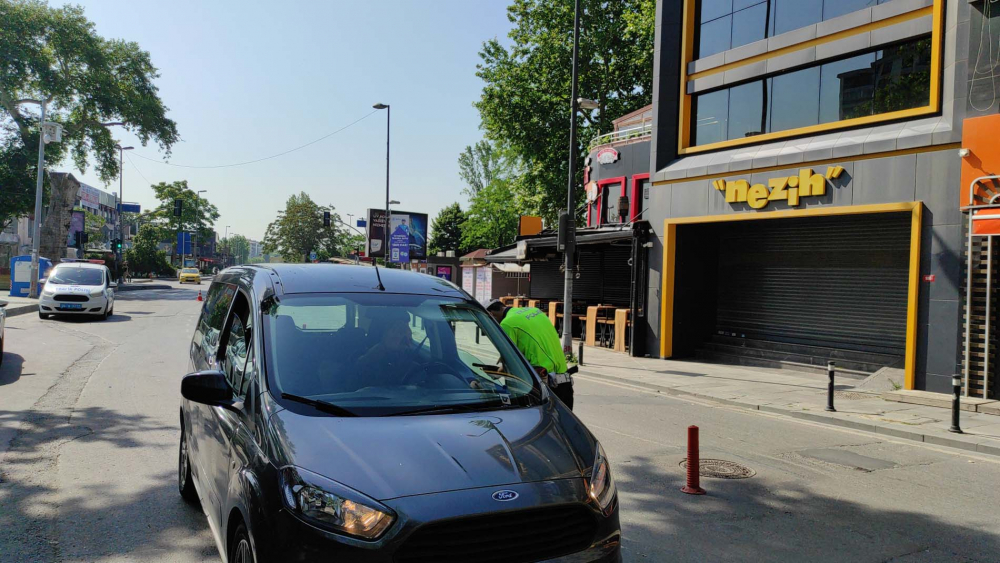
x: 853, y: 395
x: 722, y: 469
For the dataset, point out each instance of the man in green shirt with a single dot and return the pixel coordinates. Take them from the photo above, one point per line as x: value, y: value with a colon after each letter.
x: 536, y: 338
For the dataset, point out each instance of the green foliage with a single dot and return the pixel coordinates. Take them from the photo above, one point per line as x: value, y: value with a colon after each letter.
x: 144, y: 257
x: 198, y: 215
x: 92, y: 225
x: 299, y: 230
x: 446, y: 230
x: 55, y: 54
x: 493, y: 215
x: 237, y: 246
x: 526, y: 99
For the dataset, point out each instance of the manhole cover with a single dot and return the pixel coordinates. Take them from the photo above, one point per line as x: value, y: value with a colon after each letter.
x: 721, y: 469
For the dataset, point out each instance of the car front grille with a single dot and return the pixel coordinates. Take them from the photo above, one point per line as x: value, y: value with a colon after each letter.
x: 519, y: 536
x: 72, y: 298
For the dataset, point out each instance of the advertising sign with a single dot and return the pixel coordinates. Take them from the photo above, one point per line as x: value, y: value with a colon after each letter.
x: 481, y: 286
x: 184, y: 243
x: 399, y: 238
x: 131, y: 208
x: 416, y: 230
x: 469, y: 280
x: 444, y: 272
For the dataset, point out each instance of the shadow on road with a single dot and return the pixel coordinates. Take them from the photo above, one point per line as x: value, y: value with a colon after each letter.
x: 745, y: 520
x: 127, y: 517
x: 10, y: 370
x: 179, y: 294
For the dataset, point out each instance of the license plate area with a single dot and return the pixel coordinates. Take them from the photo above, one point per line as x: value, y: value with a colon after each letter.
x: 71, y: 306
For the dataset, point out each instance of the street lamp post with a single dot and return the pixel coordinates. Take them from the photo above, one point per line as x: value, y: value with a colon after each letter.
x: 385, y: 231
x: 36, y: 233
x: 121, y: 195
x: 568, y: 226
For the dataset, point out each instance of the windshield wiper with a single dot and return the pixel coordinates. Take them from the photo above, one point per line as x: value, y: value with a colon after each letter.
x: 440, y: 409
x: 328, y: 408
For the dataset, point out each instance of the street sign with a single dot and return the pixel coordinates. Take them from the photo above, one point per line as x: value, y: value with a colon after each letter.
x: 312, y: 255
x: 362, y: 223
x: 184, y: 243
x: 131, y: 208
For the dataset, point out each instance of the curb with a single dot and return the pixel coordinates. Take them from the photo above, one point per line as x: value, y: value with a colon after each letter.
x: 15, y: 310
x: 993, y: 450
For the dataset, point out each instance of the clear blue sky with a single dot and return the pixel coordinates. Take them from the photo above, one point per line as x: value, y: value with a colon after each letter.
x: 249, y: 79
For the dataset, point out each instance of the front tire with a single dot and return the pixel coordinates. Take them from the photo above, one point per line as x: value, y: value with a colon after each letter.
x: 42, y: 315
x: 241, y: 549
x: 184, y: 482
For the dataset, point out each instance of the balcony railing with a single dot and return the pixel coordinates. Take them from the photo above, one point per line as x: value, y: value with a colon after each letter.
x: 622, y: 135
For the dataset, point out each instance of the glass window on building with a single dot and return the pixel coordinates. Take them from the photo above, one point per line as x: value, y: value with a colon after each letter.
x: 748, y: 109
x: 749, y: 25
x: 711, y: 118
x: 796, y: 94
x: 886, y: 80
x: 790, y: 15
x: 715, y: 36
x: 837, y: 8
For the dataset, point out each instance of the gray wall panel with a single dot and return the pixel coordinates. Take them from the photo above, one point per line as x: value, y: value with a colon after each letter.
x: 885, y: 180
x: 938, y: 178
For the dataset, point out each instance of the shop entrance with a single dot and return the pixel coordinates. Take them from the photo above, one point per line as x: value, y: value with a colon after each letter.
x: 795, y: 292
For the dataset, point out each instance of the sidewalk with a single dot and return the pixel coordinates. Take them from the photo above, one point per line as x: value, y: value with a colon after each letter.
x: 796, y: 394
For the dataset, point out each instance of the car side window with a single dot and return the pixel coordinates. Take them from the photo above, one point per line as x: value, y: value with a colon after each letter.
x: 213, y: 315
x: 234, y: 360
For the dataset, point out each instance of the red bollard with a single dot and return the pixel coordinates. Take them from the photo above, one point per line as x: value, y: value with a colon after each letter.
x: 693, y: 478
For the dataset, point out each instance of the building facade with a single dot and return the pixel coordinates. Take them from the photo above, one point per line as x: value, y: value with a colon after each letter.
x: 805, y: 181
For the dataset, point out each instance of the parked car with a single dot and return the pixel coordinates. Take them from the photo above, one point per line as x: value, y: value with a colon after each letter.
x: 189, y: 275
x: 78, y: 288
x: 360, y: 414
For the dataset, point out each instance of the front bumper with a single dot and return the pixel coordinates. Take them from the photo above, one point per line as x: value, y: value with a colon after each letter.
x: 94, y: 305
x: 289, y: 539
x: 189, y: 280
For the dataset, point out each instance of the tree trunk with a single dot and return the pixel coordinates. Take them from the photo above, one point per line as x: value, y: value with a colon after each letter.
x: 55, y: 227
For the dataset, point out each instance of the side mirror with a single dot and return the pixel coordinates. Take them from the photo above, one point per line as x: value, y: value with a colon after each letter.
x: 208, y: 388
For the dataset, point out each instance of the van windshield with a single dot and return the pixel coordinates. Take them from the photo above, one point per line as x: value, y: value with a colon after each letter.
x: 379, y: 354
x: 70, y: 275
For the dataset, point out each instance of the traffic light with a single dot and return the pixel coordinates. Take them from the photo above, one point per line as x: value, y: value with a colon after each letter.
x: 178, y: 207
x: 118, y: 244
x: 326, y: 218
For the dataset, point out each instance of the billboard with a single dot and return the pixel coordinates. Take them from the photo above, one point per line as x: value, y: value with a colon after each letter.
x: 407, y: 235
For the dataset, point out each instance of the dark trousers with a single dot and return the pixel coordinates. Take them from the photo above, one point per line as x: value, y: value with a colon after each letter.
x: 565, y: 393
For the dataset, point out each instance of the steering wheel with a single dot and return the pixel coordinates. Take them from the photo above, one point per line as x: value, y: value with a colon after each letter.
x: 424, y: 368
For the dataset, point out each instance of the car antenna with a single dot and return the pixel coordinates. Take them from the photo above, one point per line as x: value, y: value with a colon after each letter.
x: 380, y: 286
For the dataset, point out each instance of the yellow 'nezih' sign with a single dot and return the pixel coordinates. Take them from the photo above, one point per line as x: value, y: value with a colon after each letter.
x: 790, y: 188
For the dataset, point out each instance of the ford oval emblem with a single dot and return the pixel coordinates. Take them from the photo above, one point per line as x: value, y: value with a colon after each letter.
x: 505, y: 496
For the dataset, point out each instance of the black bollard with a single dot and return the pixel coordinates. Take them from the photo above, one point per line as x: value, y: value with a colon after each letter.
x: 829, y: 389
x: 579, y: 354
x: 956, y: 404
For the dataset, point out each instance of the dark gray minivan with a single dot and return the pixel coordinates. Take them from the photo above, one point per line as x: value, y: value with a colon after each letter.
x: 348, y: 413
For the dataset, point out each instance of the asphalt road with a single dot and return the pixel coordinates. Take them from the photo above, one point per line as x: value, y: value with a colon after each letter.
x: 88, y: 438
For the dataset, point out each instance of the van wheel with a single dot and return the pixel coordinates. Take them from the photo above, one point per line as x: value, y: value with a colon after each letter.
x: 184, y: 483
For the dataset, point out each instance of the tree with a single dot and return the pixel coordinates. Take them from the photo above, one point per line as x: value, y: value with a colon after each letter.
x: 145, y: 257
x: 93, y: 225
x: 493, y: 215
x: 446, y: 230
x: 198, y: 215
x: 299, y: 230
x: 55, y: 54
x: 236, y: 246
x: 525, y: 101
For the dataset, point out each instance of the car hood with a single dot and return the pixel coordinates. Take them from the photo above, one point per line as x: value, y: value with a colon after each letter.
x: 391, y: 457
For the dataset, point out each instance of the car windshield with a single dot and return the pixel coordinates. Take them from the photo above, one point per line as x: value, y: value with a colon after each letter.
x: 379, y: 354
x: 70, y: 275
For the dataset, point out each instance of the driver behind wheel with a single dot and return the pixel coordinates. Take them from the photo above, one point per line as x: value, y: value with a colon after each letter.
x: 383, y: 363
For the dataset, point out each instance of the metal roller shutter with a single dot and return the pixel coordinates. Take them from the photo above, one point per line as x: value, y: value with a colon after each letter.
x: 837, y: 282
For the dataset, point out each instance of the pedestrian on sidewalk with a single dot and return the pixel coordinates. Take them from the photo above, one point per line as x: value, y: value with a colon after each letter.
x: 536, y: 338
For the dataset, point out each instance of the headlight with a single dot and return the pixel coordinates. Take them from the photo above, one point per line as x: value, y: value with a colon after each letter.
x: 330, y: 505
x: 602, y: 485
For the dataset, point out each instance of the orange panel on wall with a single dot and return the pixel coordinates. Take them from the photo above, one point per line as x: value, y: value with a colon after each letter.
x: 979, y: 135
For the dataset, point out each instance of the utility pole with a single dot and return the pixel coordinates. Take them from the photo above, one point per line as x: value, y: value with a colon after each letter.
x: 120, y: 240
x: 385, y: 231
x: 568, y: 223
x: 36, y: 235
